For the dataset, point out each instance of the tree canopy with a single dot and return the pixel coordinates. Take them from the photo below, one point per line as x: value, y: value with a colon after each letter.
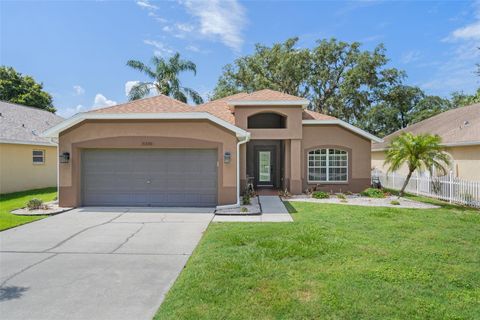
x: 23, y: 89
x: 340, y: 79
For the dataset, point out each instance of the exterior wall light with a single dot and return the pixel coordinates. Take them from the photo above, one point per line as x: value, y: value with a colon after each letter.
x: 64, y: 157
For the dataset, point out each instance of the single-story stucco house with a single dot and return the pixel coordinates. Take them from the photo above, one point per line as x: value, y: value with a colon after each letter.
x: 460, y: 132
x: 27, y: 160
x: 161, y: 152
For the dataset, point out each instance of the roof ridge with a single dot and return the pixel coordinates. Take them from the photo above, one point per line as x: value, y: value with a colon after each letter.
x: 142, y: 99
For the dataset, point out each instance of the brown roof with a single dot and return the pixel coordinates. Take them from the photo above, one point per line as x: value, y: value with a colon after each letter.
x: 157, y: 104
x: 312, y: 115
x: 461, y: 125
x: 266, y: 95
x: 218, y: 108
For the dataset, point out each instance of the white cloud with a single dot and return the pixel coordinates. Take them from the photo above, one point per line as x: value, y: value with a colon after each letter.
x: 145, y: 4
x: 160, y: 48
x: 192, y: 48
x: 410, y: 56
x: 185, y: 27
x: 101, y: 101
x: 157, y: 17
x: 68, y: 112
x: 471, y: 31
x: 78, y: 90
x: 129, y: 85
x: 220, y: 19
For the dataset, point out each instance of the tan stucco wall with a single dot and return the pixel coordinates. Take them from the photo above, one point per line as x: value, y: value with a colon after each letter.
x: 158, y: 134
x: 18, y: 173
x: 293, y: 128
x: 465, y: 164
x: 334, y: 136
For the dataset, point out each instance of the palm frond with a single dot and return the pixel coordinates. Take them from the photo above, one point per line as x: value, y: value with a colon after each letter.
x: 140, y: 66
x: 139, y: 91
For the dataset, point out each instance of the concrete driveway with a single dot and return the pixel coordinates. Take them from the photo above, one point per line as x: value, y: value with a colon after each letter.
x: 96, y: 263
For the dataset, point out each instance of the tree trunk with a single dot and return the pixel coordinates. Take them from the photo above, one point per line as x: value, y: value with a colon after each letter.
x: 405, y: 183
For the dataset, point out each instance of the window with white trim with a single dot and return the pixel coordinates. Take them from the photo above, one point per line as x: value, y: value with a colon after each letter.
x: 327, y: 165
x: 38, y: 156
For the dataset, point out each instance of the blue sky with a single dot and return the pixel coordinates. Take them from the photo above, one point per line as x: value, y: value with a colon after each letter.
x: 78, y: 49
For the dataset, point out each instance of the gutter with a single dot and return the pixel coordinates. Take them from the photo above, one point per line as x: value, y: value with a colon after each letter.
x: 242, y: 140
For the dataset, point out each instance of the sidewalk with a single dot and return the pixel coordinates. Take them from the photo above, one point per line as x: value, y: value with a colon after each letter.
x: 273, y: 210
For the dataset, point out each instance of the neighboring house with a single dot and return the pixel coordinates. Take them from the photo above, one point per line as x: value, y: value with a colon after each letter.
x: 460, y: 132
x: 161, y: 152
x: 27, y: 160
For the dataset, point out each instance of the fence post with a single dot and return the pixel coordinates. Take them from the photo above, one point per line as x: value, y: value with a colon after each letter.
x: 417, y: 183
x: 451, y: 186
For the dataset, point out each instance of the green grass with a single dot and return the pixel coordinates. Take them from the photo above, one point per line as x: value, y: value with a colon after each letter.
x: 12, y: 201
x: 335, y: 262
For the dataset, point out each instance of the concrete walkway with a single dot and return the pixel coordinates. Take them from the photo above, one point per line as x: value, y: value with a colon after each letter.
x: 96, y: 263
x: 273, y: 210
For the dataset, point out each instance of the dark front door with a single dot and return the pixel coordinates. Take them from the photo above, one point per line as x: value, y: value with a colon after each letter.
x: 265, y: 166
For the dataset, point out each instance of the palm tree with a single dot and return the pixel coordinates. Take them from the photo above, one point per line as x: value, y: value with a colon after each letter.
x: 164, y: 76
x: 420, y: 152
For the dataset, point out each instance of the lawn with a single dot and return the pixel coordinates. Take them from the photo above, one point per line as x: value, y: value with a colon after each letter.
x: 335, y: 262
x: 11, y: 201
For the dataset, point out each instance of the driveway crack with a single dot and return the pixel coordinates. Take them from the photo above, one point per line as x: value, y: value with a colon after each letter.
x: 85, y: 229
x: 27, y: 268
x: 128, y: 238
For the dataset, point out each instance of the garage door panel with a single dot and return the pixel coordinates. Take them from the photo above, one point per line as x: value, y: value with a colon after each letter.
x: 157, y: 177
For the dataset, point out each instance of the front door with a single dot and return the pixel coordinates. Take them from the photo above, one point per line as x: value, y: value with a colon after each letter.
x: 265, y: 167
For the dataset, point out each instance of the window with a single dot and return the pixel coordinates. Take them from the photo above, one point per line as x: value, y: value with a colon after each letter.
x: 327, y: 165
x: 267, y: 120
x: 38, y: 156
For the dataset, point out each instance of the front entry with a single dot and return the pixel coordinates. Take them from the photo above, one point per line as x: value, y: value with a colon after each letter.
x: 265, y: 166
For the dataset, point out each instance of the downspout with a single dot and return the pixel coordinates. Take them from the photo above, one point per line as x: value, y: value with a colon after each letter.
x: 243, y: 139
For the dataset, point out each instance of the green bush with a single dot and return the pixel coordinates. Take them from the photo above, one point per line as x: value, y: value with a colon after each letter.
x: 341, y: 196
x: 34, y: 204
x: 320, y: 195
x: 246, y: 199
x: 244, y: 210
x: 395, y: 202
x: 373, y: 193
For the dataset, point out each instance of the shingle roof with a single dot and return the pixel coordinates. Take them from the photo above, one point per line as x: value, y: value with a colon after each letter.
x: 22, y: 124
x: 266, y: 95
x: 157, y: 104
x: 456, y: 126
x: 218, y: 108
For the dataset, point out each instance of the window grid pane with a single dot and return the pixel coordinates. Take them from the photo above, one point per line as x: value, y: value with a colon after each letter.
x: 327, y: 165
x: 38, y: 156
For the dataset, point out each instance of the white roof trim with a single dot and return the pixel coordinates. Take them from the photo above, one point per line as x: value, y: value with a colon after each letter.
x: 70, y: 122
x: 448, y: 144
x: 302, y: 102
x: 346, y: 125
x: 26, y: 142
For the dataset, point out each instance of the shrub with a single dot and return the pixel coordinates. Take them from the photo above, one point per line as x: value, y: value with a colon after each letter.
x: 320, y: 195
x: 395, y: 202
x: 34, y: 204
x: 246, y: 199
x: 349, y: 193
x: 373, y: 193
x: 343, y: 200
x: 341, y: 196
x: 244, y: 210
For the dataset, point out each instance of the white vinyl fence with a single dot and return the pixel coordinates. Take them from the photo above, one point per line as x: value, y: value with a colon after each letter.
x: 446, y: 188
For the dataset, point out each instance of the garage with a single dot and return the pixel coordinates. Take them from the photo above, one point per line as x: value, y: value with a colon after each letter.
x: 149, y: 177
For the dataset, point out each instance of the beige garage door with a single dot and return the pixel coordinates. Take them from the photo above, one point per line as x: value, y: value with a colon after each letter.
x: 154, y: 177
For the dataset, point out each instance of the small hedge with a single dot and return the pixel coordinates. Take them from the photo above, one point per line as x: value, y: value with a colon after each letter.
x: 373, y: 193
x: 395, y: 202
x: 34, y: 204
x: 320, y: 195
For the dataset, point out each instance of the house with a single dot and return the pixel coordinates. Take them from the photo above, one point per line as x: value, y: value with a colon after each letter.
x: 161, y: 152
x: 460, y: 132
x: 27, y: 160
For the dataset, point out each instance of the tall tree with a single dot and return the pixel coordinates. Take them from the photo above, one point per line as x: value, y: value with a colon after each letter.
x: 23, y: 89
x: 164, y: 78
x: 417, y: 152
x: 338, y: 77
x: 281, y: 67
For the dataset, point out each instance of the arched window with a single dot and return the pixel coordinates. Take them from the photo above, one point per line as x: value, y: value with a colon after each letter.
x: 267, y: 121
x: 327, y: 165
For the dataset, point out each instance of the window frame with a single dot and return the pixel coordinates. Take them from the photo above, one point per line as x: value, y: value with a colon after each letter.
x: 38, y: 156
x: 327, y: 166
x: 282, y: 117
